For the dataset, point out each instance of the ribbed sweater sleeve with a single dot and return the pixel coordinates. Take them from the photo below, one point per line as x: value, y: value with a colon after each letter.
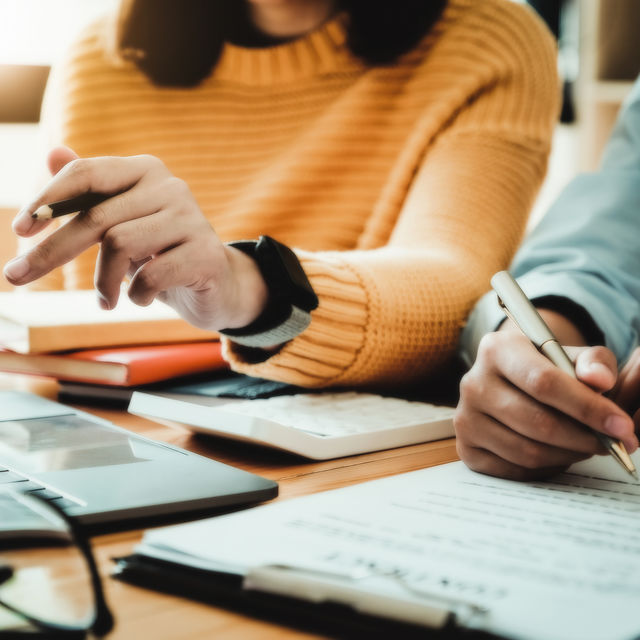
x: 394, y: 313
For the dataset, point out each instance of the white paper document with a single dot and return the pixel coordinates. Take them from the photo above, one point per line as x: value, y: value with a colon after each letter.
x: 555, y: 560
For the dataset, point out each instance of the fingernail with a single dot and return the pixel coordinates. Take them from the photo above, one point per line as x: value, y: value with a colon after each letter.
x: 598, y: 366
x: 617, y: 426
x: 16, y: 269
x: 103, y: 302
x: 22, y: 222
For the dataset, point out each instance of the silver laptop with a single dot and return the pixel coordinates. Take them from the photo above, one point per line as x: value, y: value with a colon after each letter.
x: 100, y: 473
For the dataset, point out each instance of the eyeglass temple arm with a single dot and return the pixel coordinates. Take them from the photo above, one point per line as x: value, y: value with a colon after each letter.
x: 6, y: 572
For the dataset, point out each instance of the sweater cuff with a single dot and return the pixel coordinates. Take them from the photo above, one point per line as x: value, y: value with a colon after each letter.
x: 331, y: 343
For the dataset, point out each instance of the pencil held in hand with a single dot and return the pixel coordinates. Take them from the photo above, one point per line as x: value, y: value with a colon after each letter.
x: 72, y: 205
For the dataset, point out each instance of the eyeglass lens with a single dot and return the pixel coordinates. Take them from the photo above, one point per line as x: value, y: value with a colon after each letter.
x: 46, y: 575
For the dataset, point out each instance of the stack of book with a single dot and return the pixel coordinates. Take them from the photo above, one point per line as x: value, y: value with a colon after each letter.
x: 65, y: 335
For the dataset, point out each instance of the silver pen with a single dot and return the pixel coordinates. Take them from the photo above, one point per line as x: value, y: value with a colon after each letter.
x: 526, y: 317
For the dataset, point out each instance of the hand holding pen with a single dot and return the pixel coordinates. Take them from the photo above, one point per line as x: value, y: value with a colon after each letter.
x: 520, y: 416
x: 520, y: 310
x: 150, y: 228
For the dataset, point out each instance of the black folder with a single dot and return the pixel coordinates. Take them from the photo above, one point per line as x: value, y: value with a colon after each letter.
x: 226, y: 590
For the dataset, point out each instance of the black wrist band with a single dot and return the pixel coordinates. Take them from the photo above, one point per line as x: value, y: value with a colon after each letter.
x: 291, y: 297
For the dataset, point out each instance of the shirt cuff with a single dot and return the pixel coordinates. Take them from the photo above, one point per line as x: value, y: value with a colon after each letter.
x: 486, y: 317
x: 608, y: 321
x: 575, y: 313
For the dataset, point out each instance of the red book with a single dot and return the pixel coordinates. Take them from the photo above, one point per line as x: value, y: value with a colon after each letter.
x: 122, y: 366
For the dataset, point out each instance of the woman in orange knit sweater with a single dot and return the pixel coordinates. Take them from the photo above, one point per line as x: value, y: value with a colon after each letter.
x: 395, y: 148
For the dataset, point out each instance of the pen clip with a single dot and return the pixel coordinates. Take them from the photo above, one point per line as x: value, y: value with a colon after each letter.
x: 519, y: 309
x: 508, y: 313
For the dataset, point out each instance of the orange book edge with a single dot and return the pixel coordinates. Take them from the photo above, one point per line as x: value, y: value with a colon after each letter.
x: 123, y: 366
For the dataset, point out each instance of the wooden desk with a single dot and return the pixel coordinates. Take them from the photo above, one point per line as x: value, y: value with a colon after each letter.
x: 146, y: 614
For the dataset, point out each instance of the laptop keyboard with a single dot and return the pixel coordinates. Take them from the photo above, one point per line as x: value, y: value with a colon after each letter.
x: 20, y: 520
x: 23, y: 484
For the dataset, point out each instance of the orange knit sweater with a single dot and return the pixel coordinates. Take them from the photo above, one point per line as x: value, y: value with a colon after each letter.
x: 402, y: 188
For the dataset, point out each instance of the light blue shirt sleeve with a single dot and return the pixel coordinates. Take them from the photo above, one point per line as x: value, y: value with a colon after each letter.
x: 587, y: 247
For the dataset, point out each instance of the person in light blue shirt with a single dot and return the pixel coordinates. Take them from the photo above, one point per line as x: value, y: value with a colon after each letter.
x: 518, y: 415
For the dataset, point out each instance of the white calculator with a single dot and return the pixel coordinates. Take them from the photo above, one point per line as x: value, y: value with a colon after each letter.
x: 315, y: 425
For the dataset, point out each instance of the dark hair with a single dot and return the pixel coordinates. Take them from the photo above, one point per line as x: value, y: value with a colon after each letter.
x: 177, y: 42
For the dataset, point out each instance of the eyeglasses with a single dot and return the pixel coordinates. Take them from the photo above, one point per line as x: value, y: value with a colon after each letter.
x: 48, y: 575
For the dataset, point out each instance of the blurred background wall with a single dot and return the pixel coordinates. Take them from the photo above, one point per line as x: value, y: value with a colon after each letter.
x: 33, y: 35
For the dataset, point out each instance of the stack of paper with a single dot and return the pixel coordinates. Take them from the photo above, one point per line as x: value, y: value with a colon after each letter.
x: 553, y: 560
